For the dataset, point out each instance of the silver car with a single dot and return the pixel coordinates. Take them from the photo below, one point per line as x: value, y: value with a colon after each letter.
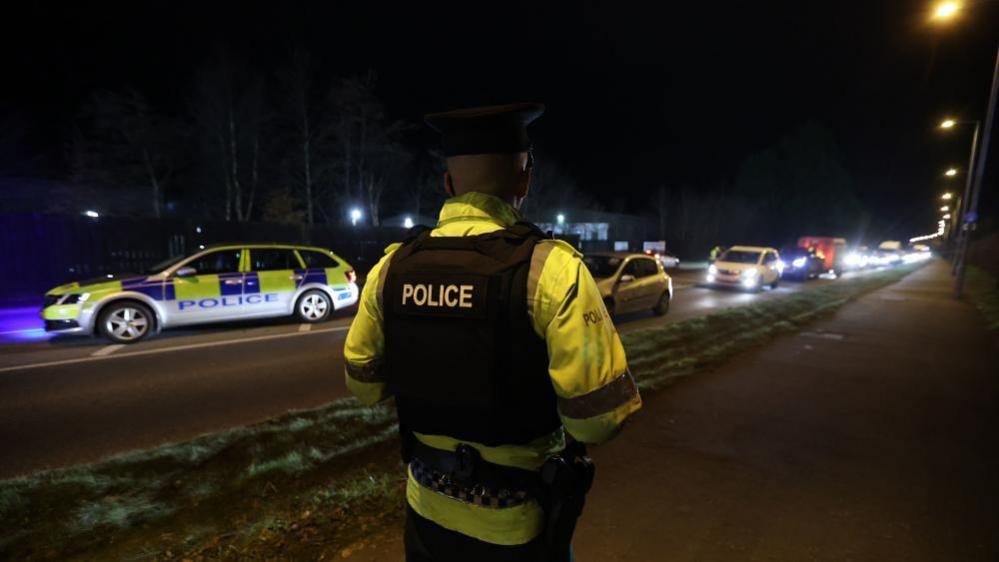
x: 631, y: 282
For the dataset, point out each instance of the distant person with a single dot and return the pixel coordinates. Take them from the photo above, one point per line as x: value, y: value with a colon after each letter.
x: 715, y: 253
x: 495, y: 343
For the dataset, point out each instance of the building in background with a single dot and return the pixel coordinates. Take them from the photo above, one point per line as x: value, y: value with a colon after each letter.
x: 602, y: 231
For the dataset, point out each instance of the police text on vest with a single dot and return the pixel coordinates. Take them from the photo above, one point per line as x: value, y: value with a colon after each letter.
x: 449, y: 296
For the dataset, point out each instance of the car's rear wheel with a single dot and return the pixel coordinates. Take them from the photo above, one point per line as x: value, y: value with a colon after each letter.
x: 126, y: 321
x: 662, y: 307
x: 313, y: 306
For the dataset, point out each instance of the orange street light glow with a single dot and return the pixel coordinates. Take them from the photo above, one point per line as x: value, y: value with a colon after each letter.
x: 946, y: 10
x: 945, y: 208
x: 946, y: 196
x: 947, y: 124
x: 951, y: 172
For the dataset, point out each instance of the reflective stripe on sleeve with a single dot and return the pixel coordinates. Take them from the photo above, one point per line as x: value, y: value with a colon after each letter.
x: 605, y: 399
x: 382, y: 274
x: 372, y: 372
x: 538, y: 259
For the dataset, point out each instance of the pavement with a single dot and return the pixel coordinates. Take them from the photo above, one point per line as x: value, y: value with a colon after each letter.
x: 70, y: 400
x: 868, y: 437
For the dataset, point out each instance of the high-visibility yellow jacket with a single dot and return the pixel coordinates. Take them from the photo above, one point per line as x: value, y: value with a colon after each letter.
x: 587, y: 366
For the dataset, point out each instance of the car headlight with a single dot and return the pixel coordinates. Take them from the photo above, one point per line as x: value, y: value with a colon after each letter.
x: 798, y: 262
x: 750, y: 274
x: 75, y: 298
x: 712, y: 270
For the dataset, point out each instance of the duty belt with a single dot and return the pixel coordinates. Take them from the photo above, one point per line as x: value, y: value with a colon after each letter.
x: 463, y: 475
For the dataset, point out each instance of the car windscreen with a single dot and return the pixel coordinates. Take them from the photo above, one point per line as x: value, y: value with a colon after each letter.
x: 164, y: 265
x: 740, y: 256
x: 602, y: 266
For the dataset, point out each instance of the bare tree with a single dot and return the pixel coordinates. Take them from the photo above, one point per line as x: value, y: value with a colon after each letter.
x: 368, y: 151
x: 281, y: 206
x: 229, y: 112
x: 304, y: 121
x: 553, y: 190
x: 120, y: 141
x: 662, y: 209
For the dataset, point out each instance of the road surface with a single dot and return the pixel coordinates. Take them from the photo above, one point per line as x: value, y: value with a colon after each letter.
x: 65, y: 401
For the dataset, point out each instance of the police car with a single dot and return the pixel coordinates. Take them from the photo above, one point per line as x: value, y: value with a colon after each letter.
x: 221, y: 283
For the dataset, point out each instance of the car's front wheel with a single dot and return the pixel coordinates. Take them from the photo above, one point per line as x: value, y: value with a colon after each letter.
x: 125, y: 322
x: 662, y: 307
x: 776, y: 282
x: 313, y: 306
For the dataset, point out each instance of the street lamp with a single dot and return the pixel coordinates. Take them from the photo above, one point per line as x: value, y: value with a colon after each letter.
x: 951, y: 172
x: 946, y: 10
x: 962, y: 202
x: 560, y: 218
x: 946, y: 217
x: 943, y: 12
x: 944, y: 209
x: 355, y: 215
x: 92, y: 214
x: 947, y: 196
x: 407, y: 222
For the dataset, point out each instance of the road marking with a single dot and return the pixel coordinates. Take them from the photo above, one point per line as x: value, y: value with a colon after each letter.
x: 107, y: 350
x: 187, y: 347
x: 304, y: 327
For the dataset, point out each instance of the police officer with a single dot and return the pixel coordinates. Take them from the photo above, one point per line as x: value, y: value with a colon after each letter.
x: 495, y: 343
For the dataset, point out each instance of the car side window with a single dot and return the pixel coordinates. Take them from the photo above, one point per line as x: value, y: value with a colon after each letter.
x: 631, y: 269
x: 649, y: 268
x: 317, y: 260
x: 222, y: 261
x: 769, y: 258
x: 641, y: 267
x: 272, y: 259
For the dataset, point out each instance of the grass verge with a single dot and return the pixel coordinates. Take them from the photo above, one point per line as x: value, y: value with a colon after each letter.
x: 319, y: 483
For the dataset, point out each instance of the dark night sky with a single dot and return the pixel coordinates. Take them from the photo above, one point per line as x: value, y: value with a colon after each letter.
x: 637, y: 98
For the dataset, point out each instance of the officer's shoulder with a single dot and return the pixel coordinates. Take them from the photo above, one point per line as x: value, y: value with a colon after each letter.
x: 392, y: 247
x: 560, y: 248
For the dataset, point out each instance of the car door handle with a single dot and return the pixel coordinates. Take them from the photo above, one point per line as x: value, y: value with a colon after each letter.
x: 233, y: 281
x: 297, y: 277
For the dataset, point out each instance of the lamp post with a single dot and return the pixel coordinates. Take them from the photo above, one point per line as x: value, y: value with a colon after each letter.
x: 971, y: 215
x: 944, y: 12
x: 961, y: 207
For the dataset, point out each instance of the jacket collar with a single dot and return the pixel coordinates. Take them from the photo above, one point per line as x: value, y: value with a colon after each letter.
x: 478, y: 207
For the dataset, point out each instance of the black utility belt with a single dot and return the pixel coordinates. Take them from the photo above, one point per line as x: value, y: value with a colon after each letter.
x: 464, y: 475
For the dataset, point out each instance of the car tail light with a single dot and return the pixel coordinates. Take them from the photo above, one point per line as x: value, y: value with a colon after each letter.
x: 351, y: 276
